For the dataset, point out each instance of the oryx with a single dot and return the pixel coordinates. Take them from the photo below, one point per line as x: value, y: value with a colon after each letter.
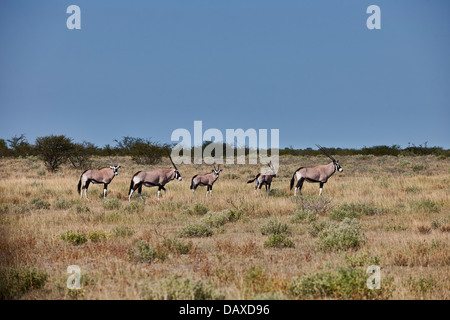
x: 104, y: 175
x: 158, y: 177
x: 206, y: 180
x: 264, y: 179
x: 320, y: 173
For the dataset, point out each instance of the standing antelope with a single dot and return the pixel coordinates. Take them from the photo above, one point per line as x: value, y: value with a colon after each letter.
x: 264, y: 179
x: 155, y: 178
x: 104, y: 175
x: 206, y: 180
x: 320, y: 173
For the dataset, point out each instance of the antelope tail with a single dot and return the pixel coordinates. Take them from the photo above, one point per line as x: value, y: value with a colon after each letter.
x: 292, y: 181
x: 192, y: 182
x: 131, y: 186
x: 250, y: 181
x: 79, y: 182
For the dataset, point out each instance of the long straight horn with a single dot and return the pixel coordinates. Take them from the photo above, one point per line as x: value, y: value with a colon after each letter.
x: 326, y: 153
x: 117, y: 160
x: 172, y: 160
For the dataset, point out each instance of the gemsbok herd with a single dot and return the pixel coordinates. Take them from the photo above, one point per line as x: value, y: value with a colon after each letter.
x: 159, y: 177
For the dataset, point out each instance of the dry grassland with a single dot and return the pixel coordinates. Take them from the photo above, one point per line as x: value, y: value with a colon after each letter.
x: 185, y: 246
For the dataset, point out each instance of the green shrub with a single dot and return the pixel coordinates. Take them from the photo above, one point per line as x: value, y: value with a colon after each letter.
x: 41, y: 172
x: 14, y: 282
x: 346, y: 283
x: 177, y: 246
x: 340, y: 214
x: 426, y: 205
x: 144, y: 253
x: 4, y: 208
x: 277, y: 193
x: 81, y: 209
x: 181, y: 289
x: 273, y: 226
x: 134, y: 207
x: 358, y: 209
x: 195, y: 230
x: 96, y: 235
x: 361, y: 260
x: 421, y: 286
x: 197, y: 209
x: 216, y: 219
x: 418, y: 167
x: 74, y: 237
x: 111, y: 204
x: 341, y: 236
x: 316, y: 227
x: 62, y: 204
x: 38, y: 204
x: 122, y: 231
x: 278, y: 241
x: 304, y: 216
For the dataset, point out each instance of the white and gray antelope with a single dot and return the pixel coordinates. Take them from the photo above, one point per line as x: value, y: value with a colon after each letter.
x: 158, y: 177
x: 318, y: 174
x: 264, y: 179
x: 206, y: 180
x: 104, y: 175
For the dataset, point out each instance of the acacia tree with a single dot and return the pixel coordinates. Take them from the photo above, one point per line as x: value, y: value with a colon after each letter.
x: 142, y: 151
x: 53, y: 150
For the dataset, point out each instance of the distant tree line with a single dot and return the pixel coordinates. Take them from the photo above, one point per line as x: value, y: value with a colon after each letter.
x: 56, y: 150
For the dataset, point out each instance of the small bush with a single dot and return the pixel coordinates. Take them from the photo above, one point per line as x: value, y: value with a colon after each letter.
x: 177, y: 246
x: 217, y: 219
x: 111, y: 204
x: 122, y: 231
x: 41, y: 172
x: 197, y: 209
x: 273, y: 226
x: 426, y: 205
x: 357, y: 209
x: 4, y: 208
x: 195, y: 230
x: 418, y: 167
x: 96, y: 235
x: 81, y: 209
x: 74, y: 237
x: 278, y: 241
x: 316, y: 227
x: 134, y: 207
x: 304, y: 216
x: 39, y: 204
x: 62, y: 204
x: 421, y: 286
x: 278, y: 193
x: 362, y: 260
x: 14, y: 282
x: 181, y: 289
x: 340, y: 214
x: 341, y: 236
x: 346, y: 283
x: 144, y: 253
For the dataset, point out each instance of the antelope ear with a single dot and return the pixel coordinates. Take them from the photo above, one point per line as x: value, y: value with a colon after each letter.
x: 212, y: 170
x: 221, y: 170
x: 119, y: 167
x: 111, y: 167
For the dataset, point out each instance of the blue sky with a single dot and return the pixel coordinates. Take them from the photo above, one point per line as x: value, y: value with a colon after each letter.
x: 311, y: 69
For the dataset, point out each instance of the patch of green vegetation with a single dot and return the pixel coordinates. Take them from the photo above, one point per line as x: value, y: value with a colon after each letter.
x: 62, y: 204
x: 111, y: 204
x: 341, y: 236
x: 195, y: 230
x: 198, y: 209
x: 177, y: 246
x: 346, y: 283
x: 74, y: 237
x: 181, y: 289
x: 144, y: 253
x: 39, y: 204
x: 279, y: 241
x: 426, y: 205
x: 96, y: 235
x: 122, y: 231
x: 14, y: 282
x: 273, y: 226
x: 304, y: 216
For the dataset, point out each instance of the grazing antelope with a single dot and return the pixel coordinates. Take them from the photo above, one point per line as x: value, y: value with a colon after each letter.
x: 104, y: 175
x: 155, y: 178
x: 264, y: 179
x: 206, y: 180
x: 320, y: 173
